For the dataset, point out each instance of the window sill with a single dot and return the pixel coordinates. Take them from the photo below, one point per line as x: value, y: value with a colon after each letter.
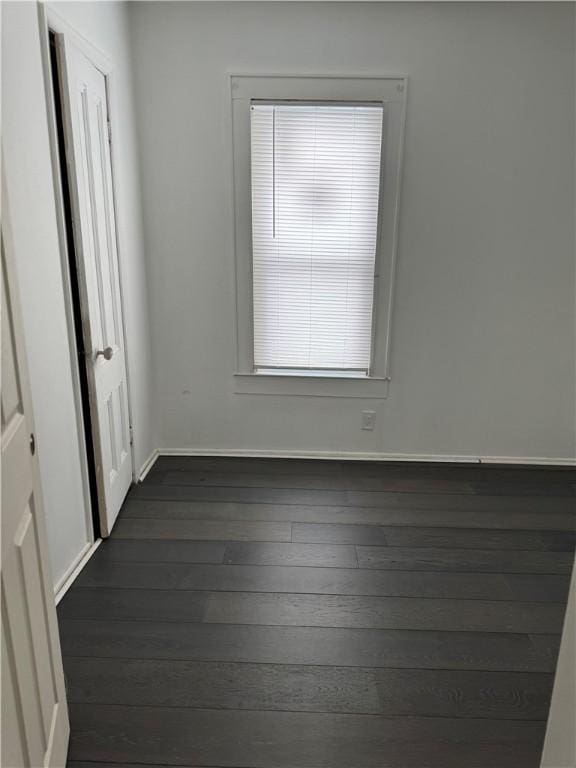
x: 370, y: 387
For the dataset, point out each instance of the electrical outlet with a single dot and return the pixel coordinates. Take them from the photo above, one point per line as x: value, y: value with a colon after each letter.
x: 368, y: 420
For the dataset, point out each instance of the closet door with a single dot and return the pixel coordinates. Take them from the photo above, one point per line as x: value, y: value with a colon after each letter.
x: 87, y: 148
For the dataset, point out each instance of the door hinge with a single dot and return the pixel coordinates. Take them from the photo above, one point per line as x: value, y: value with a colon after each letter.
x: 131, y: 435
x: 109, y: 124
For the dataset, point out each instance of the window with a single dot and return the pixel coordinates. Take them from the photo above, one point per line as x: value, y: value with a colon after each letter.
x: 316, y: 164
x: 315, y: 191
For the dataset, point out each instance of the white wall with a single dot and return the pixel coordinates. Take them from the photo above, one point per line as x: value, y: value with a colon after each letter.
x: 484, y: 324
x: 27, y: 158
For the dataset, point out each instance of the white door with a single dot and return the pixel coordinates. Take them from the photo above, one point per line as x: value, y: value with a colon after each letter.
x: 35, y: 725
x: 87, y: 146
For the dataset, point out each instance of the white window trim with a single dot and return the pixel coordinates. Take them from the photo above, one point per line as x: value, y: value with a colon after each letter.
x: 391, y: 91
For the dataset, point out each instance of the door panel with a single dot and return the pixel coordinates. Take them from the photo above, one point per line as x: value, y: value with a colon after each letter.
x: 35, y: 724
x: 13, y: 740
x: 87, y: 146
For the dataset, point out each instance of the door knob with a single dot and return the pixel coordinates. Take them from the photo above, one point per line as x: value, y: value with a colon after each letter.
x: 106, y: 353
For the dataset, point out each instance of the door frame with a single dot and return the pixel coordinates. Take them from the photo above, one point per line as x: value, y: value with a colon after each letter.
x: 51, y: 21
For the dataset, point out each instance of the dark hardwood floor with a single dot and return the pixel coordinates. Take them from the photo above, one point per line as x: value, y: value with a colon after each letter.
x: 252, y: 613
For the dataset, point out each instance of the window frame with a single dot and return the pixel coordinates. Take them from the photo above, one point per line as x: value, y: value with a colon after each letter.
x: 391, y: 92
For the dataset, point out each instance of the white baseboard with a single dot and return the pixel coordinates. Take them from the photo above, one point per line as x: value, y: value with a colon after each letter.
x: 66, y: 581
x: 367, y: 456
x: 148, y: 464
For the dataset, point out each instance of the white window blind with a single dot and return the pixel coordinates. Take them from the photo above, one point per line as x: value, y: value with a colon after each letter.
x: 315, y: 192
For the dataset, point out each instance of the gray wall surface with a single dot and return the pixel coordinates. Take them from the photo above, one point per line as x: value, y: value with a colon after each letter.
x: 483, y: 333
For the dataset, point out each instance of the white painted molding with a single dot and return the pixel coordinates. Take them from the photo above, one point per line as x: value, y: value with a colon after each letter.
x: 241, y: 88
x: 64, y: 583
x: 367, y: 387
x: 51, y: 19
x: 366, y: 456
x: 148, y: 464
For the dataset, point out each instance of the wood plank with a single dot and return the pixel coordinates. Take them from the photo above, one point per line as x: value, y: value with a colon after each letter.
x: 458, y: 538
x: 382, y: 612
x: 299, y: 513
x: 464, y: 472
x: 318, y: 555
x: 134, y: 604
x: 499, y: 695
x: 286, y: 739
x: 297, y: 688
x: 340, y: 481
x: 314, y: 533
x: 310, y: 645
x: 547, y: 541
x: 90, y: 764
x: 219, y: 685
x: 465, y: 560
x: 539, y: 587
x: 379, y: 499
x: 327, y: 581
x: 254, y: 495
x: 249, y: 465
x: 209, y: 530
x: 504, y: 488
x: 352, y: 468
x: 253, y: 480
x: 158, y: 550
x: 420, y: 484
x: 471, y: 472
x: 459, y: 501
x: 548, y: 646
